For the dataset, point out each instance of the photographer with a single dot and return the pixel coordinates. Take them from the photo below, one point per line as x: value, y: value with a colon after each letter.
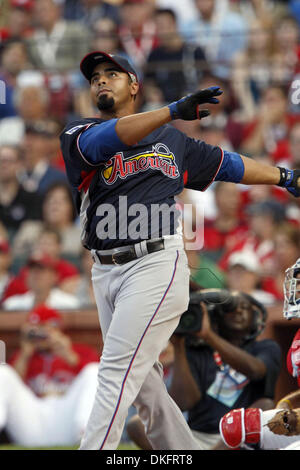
x: 219, y: 364
x: 279, y: 428
x: 227, y: 368
x: 47, y: 391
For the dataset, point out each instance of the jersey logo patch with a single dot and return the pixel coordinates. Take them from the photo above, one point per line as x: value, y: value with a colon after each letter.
x: 159, y: 158
x: 74, y: 129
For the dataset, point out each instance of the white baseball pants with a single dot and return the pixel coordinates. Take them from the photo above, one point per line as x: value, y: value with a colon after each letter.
x: 31, y: 421
x: 139, y: 306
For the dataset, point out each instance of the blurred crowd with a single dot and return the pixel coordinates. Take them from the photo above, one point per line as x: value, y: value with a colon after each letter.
x: 250, y: 49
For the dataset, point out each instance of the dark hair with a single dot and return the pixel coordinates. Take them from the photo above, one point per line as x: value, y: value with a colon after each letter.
x: 257, y: 314
x: 9, y: 42
x: 166, y: 11
x: 67, y: 189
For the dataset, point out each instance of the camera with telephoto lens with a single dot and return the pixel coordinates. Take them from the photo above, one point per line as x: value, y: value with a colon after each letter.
x: 218, y: 303
x: 36, y: 334
x: 216, y: 300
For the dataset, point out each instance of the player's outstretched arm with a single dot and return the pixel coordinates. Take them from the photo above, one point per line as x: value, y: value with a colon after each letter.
x: 236, y: 168
x: 133, y: 128
x: 261, y: 173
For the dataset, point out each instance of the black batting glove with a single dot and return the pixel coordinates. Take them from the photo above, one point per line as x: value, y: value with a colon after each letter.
x: 188, y: 108
x: 289, y: 180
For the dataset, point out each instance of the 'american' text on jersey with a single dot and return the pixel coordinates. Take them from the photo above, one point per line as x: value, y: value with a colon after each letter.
x: 118, y: 167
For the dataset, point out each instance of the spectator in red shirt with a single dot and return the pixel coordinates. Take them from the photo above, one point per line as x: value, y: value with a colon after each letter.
x: 138, y: 31
x: 5, y: 264
x: 48, y: 243
x: 271, y: 127
x: 288, y: 152
x: 47, y: 361
x: 223, y: 232
x: 264, y: 219
x: 41, y: 280
x: 286, y: 250
x: 47, y: 391
x: 19, y: 20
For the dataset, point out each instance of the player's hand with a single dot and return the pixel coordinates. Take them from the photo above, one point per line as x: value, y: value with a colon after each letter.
x: 188, y: 108
x: 294, y: 186
x: 290, y: 179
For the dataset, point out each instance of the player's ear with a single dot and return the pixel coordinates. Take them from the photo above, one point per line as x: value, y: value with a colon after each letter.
x: 134, y: 88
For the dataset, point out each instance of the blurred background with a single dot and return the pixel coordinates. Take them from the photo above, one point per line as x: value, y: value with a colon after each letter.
x: 250, y: 48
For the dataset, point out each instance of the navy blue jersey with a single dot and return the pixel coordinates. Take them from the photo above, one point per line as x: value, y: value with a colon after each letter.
x: 125, y: 198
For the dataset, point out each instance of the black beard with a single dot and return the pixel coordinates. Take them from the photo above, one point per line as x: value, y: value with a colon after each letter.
x: 105, y: 103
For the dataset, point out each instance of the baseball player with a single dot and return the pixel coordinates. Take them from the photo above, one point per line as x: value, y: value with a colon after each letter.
x: 125, y: 169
